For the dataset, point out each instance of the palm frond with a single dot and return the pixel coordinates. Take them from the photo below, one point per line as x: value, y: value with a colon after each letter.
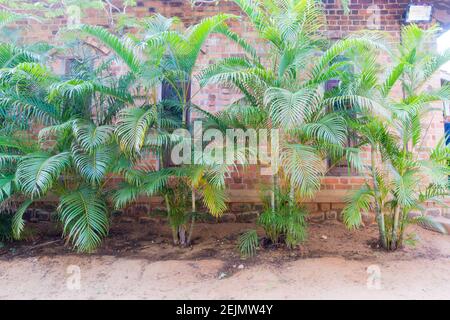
x: 18, y: 223
x: 428, y: 222
x: 7, y: 186
x: 330, y: 129
x: 303, y: 167
x: 214, y: 199
x: 11, y: 55
x: 55, y: 130
x: 92, y: 166
x: 123, y: 49
x: 37, y: 172
x: 90, y: 136
x: 289, y: 109
x: 247, y: 243
x: 132, y: 127
x: 84, y: 216
x: 199, y: 33
x: 358, y: 202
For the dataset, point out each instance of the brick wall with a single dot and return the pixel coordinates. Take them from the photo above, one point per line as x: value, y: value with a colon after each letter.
x: 384, y: 15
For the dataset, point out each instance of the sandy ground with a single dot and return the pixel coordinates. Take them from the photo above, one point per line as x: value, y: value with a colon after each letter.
x: 319, y: 278
x: 330, y: 269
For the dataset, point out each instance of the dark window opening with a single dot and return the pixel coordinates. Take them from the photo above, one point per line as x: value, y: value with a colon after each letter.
x: 446, y: 115
x: 172, y: 110
x: 341, y: 168
x: 70, y: 65
x: 447, y: 132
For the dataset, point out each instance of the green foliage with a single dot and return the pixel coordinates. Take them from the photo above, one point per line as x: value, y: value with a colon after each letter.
x: 178, y: 199
x: 167, y: 55
x: 285, y: 92
x: 37, y: 172
x: 90, y: 133
x: 124, y: 49
x: 5, y: 227
x: 287, y: 224
x: 248, y: 243
x: 18, y: 223
x: 133, y: 126
x: 84, y: 216
x: 76, y: 150
x: 358, y: 203
x: 402, y: 182
x: 284, y: 225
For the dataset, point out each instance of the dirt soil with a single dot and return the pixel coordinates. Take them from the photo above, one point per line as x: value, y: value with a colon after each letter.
x: 138, y: 261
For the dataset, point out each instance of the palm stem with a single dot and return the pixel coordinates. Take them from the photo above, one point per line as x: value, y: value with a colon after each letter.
x: 174, y: 229
x: 379, y: 213
x: 194, y: 209
x: 395, y: 228
x: 191, y: 231
x: 272, y: 195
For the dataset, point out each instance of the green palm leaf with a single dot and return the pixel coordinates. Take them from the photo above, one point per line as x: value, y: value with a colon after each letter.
x: 330, y: 129
x: 37, y: 172
x: 7, y: 186
x: 289, y: 109
x: 11, y: 55
x: 90, y: 136
x: 248, y: 243
x: 124, y: 49
x: 199, y: 33
x: 94, y: 165
x: 125, y: 194
x: 132, y: 127
x: 357, y: 203
x: 17, y: 222
x: 85, y: 220
x: 304, y: 167
x: 60, y: 129
x: 214, y: 199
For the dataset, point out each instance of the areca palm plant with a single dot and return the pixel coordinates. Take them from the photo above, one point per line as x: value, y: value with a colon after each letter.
x: 161, y: 54
x: 408, y: 174
x: 284, y: 90
x: 21, y: 59
x: 75, y: 149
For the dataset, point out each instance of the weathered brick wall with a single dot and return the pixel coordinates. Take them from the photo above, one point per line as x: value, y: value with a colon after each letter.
x: 384, y: 15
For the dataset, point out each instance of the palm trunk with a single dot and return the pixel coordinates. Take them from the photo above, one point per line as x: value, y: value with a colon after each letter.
x: 182, y: 235
x: 272, y: 196
x: 191, y: 231
x: 395, y: 228
x: 174, y: 230
x: 379, y: 213
x: 194, y: 209
x: 401, y: 228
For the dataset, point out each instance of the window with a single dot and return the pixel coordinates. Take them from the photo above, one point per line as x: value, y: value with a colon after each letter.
x: 340, y: 168
x: 170, y: 97
x: 447, y: 132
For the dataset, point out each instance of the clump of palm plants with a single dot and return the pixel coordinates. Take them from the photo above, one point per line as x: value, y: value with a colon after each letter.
x: 161, y: 54
x: 286, y: 225
x: 75, y: 151
x: 178, y: 201
x: 408, y: 174
x: 283, y: 90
